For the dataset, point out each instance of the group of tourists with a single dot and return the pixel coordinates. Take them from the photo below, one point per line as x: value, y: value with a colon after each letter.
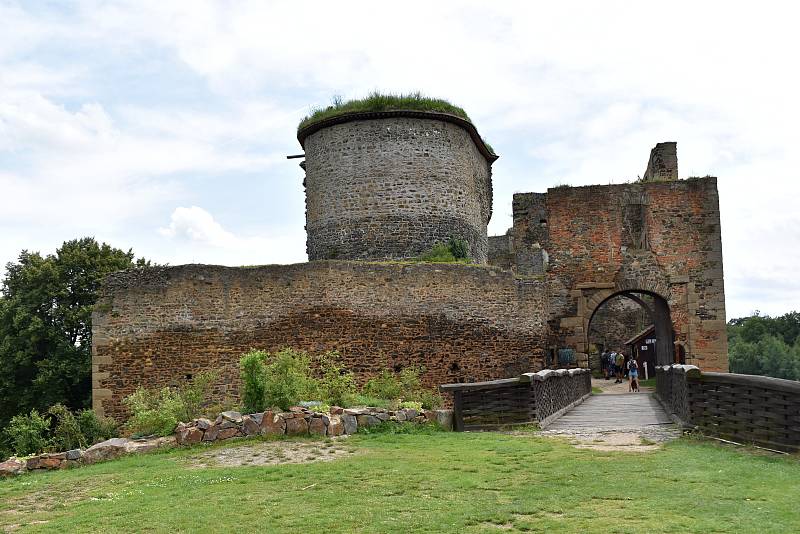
x: 615, y: 364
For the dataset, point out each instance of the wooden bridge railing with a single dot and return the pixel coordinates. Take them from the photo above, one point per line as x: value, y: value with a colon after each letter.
x: 530, y: 398
x: 746, y: 408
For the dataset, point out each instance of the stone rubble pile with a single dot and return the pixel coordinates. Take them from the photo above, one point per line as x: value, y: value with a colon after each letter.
x: 299, y: 421
x: 105, y: 450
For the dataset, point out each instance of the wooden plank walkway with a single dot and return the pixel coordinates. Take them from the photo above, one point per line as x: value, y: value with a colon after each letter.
x: 608, y: 412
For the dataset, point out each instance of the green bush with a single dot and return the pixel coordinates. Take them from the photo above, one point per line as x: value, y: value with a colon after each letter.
x: 153, y: 412
x: 67, y: 431
x: 61, y: 431
x: 28, y: 433
x: 430, y: 399
x: 96, y: 429
x: 287, y: 379
x: 337, y: 385
x: 438, y: 253
x: 402, y: 387
x: 253, y: 374
x: 386, y: 385
x: 458, y: 248
x: 414, y: 405
x: 194, y: 395
x: 159, y: 412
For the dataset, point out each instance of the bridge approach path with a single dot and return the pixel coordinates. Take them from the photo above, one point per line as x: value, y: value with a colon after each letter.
x: 615, y: 413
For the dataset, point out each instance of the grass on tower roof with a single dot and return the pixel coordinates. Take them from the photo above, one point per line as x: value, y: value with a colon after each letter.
x: 376, y: 101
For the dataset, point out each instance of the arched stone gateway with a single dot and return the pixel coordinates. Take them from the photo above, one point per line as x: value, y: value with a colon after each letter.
x: 659, y: 315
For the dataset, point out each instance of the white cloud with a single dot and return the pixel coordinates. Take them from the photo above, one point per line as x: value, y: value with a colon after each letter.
x: 110, y: 112
x: 196, y: 227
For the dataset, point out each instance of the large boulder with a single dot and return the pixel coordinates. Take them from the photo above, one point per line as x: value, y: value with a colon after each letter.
x: 296, y: 426
x: 316, y: 426
x: 250, y: 426
x: 335, y: 426
x: 227, y: 433
x: 273, y: 423
x: 230, y: 415
x: 202, y: 423
x: 186, y: 435
x: 149, y: 444
x: 212, y: 433
x: 367, y: 420
x: 12, y: 467
x: 350, y: 423
x: 106, y: 450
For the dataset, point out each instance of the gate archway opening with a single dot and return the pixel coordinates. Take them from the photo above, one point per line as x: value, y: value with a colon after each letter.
x: 638, y: 317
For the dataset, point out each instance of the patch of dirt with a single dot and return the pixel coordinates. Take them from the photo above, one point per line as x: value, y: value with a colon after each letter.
x: 12, y: 528
x: 497, y: 526
x: 270, y: 453
x: 610, y: 388
x: 618, y: 441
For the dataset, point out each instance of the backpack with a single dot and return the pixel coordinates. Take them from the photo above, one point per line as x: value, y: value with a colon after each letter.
x: 633, y: 364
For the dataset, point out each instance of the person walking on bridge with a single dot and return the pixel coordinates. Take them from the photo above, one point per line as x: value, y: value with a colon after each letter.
x: 633, y: 375
x: 619, y: 365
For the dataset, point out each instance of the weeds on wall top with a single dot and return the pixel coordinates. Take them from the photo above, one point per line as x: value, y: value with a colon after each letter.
x: 456, y: 250
x: 377, y: 101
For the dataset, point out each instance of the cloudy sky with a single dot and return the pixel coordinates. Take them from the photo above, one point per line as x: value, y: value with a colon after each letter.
x: 164, y: 125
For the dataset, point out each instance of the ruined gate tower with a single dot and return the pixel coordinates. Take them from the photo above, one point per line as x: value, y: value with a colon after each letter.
x: 658, y: 236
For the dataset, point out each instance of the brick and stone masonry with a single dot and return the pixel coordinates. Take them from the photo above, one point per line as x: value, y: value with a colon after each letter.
x: 660, y: 238
x: 160, y: 326
x: 390, y: 186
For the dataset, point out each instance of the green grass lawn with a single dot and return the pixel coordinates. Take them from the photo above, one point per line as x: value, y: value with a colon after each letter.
x: 441, y: 482
x: 649, y: 383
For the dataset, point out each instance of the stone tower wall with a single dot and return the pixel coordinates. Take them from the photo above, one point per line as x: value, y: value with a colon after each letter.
x: 390, y: 188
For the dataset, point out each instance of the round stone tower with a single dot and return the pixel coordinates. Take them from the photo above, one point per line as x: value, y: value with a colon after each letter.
x: 391, y: 184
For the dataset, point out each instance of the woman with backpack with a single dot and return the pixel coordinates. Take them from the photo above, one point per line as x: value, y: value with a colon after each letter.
x: 633, y: 375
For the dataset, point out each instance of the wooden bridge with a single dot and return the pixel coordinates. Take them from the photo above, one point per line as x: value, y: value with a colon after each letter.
x: 606, y: 412
x: 747, y: 409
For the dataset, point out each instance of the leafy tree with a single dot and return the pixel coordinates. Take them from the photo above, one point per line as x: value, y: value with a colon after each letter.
x: 45, y: 325
x: 764, y: 345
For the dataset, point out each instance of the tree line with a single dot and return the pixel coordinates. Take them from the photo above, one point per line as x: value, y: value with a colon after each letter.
x: 46, y: 325
x: 764, y: 345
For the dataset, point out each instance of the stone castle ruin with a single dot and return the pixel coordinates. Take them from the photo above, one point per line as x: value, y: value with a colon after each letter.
x: 385, y: 186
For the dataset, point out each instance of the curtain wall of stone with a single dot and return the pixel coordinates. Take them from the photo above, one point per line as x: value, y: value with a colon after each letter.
x: 158, y: 327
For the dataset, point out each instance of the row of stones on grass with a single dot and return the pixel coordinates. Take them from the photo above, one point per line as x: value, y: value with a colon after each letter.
x: 299, y: 421
x: 105, y: 450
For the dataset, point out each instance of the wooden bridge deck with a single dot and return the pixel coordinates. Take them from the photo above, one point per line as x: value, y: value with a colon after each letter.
x: 606, y: 412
